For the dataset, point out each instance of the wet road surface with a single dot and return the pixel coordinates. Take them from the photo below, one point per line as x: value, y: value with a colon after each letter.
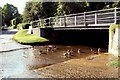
x: 16, y: 59
x: 10, y: 61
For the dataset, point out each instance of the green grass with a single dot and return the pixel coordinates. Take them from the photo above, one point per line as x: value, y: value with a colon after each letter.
x: 114, y: 63
x: 23, y: 37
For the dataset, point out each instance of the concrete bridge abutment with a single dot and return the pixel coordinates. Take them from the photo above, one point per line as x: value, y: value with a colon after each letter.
x: 114, y: 40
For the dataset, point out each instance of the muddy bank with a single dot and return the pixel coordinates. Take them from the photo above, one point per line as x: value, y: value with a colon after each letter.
x: 76, y: 68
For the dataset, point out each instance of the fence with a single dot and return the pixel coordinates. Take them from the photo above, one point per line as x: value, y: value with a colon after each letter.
x: 92, y: 18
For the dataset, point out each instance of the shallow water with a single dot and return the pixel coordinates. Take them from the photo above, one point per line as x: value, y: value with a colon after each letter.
x: 24, y: 58
x: 15, y: 62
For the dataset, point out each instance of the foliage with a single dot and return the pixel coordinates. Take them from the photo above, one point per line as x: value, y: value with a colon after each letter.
x: 116, y: 4
x: 13, y: 27
x: 0, y: 16
x: 16, y: 21
x: 71, y: 7
x: 36, y: 10
x: 27, y: 15
x: 9, y: 12
x: 23, y: 37
x: 21, y: 26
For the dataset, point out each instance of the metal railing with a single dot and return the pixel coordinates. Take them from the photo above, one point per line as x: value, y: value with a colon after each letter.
x: 92, y: 18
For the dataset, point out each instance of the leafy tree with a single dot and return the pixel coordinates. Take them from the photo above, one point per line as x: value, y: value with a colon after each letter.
x: 16, y: 21
x: 71, y: 7
x: 35, y: 10
x: 49, y: 8
x: 27, y: 15
x: 116, y: 4
x: 99, y: 5
x: 9, y: 12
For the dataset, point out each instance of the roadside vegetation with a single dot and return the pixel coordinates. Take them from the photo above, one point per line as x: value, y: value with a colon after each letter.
x: 23, y: 37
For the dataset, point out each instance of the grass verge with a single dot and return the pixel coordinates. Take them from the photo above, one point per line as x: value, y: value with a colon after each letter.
x: 114, y: 63
x: 23, y: 37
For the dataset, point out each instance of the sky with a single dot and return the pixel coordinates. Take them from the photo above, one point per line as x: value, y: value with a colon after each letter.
x: 19, y: 4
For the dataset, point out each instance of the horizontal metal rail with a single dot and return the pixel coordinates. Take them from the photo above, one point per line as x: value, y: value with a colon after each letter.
x: 99, y: 17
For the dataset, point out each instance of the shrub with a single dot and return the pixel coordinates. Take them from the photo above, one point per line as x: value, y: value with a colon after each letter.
x: 23, y: 26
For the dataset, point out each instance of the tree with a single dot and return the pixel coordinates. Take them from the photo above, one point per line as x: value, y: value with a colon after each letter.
x: 71, y: 7
x: 49, y: 8
x: 9, y: 12
x: 0, y: 16
x: 35, y: 10
x: 16, y: 21
x: 27, y: 15
x: 116, y: 4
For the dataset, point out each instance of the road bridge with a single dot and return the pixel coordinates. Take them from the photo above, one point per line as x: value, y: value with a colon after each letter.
x: 96, y: 23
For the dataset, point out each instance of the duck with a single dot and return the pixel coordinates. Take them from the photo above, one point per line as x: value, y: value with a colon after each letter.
x: 94, y: 51
x: 55, y: 47
x: 79, y: 51
x: 48, y: 49
x: 68, y: 53
x: 71, y: 52
x: 65, y: 53
x: 41, y: 52
x: 99, y: 50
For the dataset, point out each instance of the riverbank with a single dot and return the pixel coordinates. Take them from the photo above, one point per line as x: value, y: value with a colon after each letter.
x: 24, y: 38
x: 84, y: 68
x: 54, y: 64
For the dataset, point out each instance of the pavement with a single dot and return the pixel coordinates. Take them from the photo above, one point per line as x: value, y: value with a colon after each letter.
x: 10, y: 53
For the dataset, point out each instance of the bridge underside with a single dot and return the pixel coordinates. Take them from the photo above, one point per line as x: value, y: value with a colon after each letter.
x: 96, y: 37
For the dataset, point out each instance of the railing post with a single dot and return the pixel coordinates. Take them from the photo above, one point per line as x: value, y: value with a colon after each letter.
x: 95, y: 18
x: 60, y: 21
x: 65, y: 20
x: 39, y: 22
x: 50, y: 21
x: 84, y: 19
x: 75, y: 21
x: 115, y: 15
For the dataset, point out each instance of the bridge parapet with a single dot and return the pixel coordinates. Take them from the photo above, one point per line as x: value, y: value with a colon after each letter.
x: 93, y: 18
